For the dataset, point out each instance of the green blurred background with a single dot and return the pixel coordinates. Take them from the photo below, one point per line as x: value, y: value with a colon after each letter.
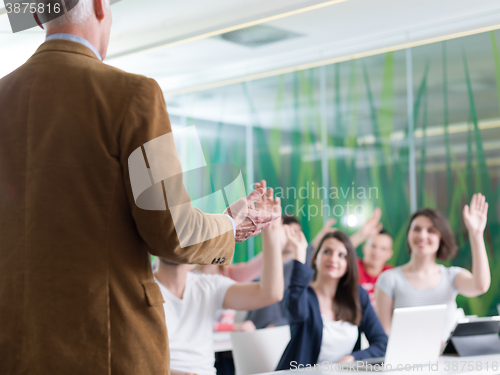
x: 347, y: 127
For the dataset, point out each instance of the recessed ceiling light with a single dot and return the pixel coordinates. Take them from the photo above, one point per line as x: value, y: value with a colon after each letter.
x: 257, y: 36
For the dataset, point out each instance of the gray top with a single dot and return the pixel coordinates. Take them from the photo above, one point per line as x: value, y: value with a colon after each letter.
x: 394, y: 283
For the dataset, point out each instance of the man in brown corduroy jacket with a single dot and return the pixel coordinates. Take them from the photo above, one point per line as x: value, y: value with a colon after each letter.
x: 77, y: 294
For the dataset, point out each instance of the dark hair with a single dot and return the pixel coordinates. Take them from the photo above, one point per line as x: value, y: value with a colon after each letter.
x: 346, y: 300
x: 383, y: 231
x: 447, y: 246
x: 290, y: 219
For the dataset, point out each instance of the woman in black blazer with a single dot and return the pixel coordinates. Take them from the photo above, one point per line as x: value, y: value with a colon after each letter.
x: 328, y: 314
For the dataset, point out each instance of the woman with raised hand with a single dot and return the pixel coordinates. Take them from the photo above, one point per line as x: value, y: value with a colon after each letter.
x: 327, y: 308
x: 422, y: 281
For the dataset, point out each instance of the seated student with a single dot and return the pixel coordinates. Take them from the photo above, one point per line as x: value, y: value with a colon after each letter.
x: 422, y: 281
x: 377, y: 251
x: 275, y: 315
x: 328, y: 314
x: 191, y: 300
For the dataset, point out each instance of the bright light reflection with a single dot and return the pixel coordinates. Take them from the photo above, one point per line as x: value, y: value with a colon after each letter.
x: 352, y: 220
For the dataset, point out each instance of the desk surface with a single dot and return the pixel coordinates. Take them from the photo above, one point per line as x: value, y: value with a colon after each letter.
x: 222, y: 342
x: 487, y: 364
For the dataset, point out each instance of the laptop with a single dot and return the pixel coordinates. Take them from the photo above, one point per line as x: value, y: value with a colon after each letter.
x: 415, y: 340
x: 474, y: 336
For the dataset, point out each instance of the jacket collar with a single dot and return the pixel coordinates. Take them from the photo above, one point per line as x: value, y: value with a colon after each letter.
x: 62, y: 45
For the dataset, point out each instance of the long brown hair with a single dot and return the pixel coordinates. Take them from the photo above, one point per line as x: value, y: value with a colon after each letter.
x: 346, y: 300
x: 447, y: 246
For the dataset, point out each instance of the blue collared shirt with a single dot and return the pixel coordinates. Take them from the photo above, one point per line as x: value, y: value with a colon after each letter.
x: 77, y: 39
x: 232, y: 223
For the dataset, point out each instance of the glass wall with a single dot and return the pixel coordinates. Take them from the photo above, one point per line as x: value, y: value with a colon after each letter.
x: 458, y: 141
x: 335, y: 141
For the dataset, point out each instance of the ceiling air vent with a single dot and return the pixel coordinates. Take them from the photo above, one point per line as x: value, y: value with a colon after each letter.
x: 257, y: 36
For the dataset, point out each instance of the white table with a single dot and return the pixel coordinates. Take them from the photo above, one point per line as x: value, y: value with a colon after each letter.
x: 446, y: 365
x: 222, y: 342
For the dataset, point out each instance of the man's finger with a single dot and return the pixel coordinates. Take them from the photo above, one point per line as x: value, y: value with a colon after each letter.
x: 270, y: 193
x: 277, y: 200
x: 254, y: 196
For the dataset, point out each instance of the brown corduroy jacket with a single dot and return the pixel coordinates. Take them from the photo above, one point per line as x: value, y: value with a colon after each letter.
x: 77, y: 294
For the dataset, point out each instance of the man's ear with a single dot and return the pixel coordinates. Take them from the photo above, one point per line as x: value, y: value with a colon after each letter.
x: 99, y: 9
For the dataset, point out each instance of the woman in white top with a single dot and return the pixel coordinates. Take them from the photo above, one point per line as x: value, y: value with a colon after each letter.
x: 191, y: 300
x: 422, y: 281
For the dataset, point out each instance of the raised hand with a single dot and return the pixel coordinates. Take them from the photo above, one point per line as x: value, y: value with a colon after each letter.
x: 299, y: 243
x: 327, y: 228
x: 477, y: 282
x: 372, y: 227
x: 475, y: 215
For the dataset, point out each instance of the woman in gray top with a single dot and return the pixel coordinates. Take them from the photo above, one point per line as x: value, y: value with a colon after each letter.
x: 422, y: 281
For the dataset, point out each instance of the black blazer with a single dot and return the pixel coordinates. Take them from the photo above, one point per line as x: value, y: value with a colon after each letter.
x: 306, y: 324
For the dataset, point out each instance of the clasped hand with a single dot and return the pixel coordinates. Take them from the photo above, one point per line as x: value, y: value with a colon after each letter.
x: 251, y: 220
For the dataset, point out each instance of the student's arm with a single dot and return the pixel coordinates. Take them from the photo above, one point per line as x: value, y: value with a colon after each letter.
x: 384, y: 298
x: 384, y: 306
x: 373, y: 330
x: 296, y: 298
x: 245, y: 272
x: 369, y: 229
x: 327, y: 228
x: 269, y: 290
x: 478, y: 282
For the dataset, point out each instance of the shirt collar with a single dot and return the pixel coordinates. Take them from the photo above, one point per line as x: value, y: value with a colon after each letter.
x: 77, y: 39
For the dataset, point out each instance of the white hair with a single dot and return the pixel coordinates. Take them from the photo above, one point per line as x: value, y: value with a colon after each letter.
x: 78, y: 14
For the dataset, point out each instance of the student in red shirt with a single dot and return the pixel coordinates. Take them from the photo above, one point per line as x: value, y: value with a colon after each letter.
x: 377, y: 251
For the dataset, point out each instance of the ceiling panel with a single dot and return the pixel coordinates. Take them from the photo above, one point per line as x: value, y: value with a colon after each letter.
x: 340, y: 31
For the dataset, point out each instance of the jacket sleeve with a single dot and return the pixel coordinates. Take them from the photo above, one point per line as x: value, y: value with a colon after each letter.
x: 210, y: 236
x: 296, y: 297
x: 373, y: 330
x: 309, y: 254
